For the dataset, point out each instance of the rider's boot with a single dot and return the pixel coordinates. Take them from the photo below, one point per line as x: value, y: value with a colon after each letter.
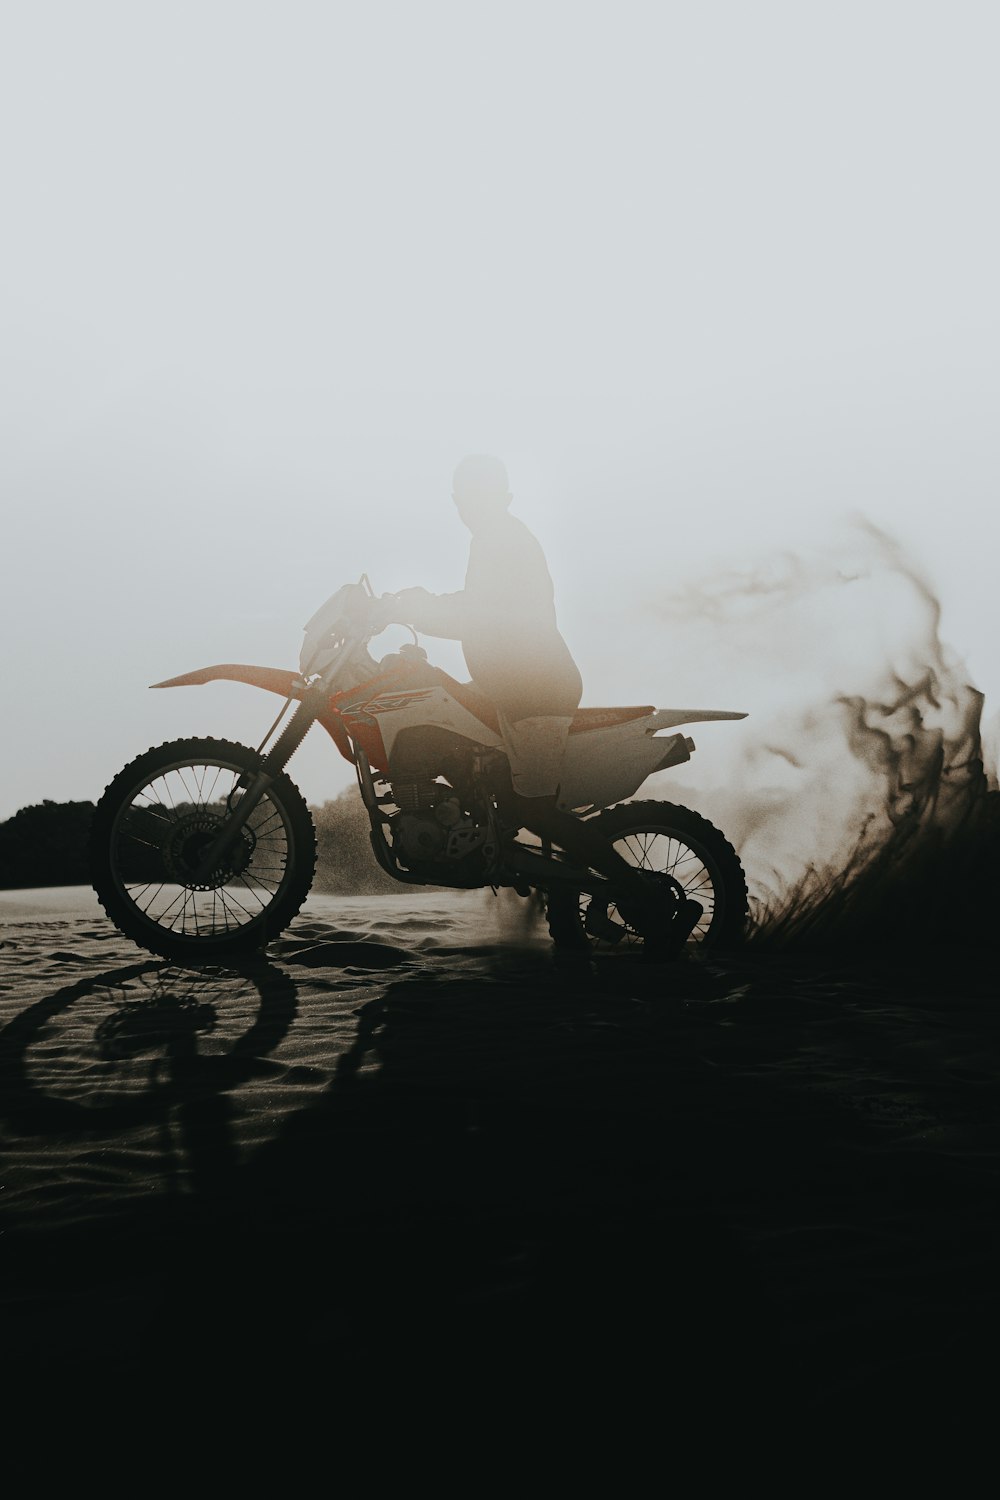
x: 686, y: 916
x: 663, y: 922
x: 599, y: 923
x: 565, y: 926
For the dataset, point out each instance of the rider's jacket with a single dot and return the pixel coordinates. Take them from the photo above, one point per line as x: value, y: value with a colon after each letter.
x: 505, y: 619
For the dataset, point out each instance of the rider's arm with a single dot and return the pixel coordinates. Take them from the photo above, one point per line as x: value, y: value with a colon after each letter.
x: 432, y: 614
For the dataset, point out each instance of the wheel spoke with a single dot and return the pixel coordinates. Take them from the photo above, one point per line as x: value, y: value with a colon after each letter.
x: 182, y: 895
x: 227, y: 891
x: 170, y: 799
x: 149, y: 903
x: 273, y: 819
x: 134, y: 838
x: 160, y: 818
x: 249, y: 875
x: 187, y: 792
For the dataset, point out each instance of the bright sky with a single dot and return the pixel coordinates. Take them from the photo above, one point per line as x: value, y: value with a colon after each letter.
x: 708, y: 277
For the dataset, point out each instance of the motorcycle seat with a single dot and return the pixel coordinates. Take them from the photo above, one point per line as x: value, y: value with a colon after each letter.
x: 585, y: 718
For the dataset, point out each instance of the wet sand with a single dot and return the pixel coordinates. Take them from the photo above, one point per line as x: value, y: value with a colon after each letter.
x: 411, y: 1141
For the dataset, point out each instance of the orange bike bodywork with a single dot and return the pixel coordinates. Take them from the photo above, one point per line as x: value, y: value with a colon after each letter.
x: 344, y: 718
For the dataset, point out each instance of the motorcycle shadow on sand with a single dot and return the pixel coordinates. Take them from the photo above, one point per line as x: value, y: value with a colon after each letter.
x: 147, y: 1038
x: 490, y: 1171
x: 603, y: 1180
x: 114, y: 1095
x: 509, y: 1169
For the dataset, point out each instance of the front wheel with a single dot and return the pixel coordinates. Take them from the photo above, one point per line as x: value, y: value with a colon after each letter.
x: 678, y: 848
x: 148, y: 836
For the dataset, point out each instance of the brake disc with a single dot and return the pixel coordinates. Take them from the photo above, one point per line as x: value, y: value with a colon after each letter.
x: 185, y: 846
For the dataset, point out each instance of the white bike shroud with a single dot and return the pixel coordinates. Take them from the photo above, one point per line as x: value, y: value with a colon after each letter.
x: 600, y: 765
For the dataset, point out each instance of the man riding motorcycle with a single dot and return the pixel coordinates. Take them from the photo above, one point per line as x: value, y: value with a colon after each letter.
x: 506, y: 621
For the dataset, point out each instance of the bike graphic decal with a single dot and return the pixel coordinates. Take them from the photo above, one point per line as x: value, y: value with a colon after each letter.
x: 390, y: 701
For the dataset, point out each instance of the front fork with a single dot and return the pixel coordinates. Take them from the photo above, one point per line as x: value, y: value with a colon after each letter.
x: 311, y: 705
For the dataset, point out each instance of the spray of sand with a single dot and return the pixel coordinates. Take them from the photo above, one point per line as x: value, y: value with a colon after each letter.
x: 858, y: 796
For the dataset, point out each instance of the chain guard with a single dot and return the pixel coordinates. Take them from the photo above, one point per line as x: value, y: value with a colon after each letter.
x: 599, y: 923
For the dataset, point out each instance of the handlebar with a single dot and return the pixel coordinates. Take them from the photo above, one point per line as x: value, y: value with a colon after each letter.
x: 352, y: 611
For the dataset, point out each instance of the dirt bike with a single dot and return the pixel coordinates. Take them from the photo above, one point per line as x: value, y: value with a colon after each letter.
x: 203, y: 847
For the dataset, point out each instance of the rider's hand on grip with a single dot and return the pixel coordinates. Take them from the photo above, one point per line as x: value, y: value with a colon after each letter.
x: 406, y: 606
x: 383, y: 611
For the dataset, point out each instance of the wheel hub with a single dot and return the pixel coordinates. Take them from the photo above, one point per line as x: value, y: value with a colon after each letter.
x: 185, y: 848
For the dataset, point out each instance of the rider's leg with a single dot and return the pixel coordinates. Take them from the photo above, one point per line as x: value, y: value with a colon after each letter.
x: 535, y: 748
x: 663, y: 924
x: 542, y: 816
x: 583, y: 843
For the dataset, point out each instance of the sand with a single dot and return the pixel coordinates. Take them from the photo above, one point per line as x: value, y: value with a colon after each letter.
x: 736, y: 1185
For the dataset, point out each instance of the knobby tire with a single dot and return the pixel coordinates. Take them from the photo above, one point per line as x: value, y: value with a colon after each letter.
x: 124, y: 910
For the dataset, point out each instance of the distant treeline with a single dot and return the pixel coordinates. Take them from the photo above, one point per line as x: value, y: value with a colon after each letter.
x: 46, y: 844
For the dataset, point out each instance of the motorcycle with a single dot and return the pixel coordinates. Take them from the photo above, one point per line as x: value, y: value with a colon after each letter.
x: 204, y: 848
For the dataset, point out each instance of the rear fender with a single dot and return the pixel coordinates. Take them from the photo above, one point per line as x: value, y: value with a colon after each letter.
x: 273, y: 680
x: 606, y: 765
x: 669, y: 718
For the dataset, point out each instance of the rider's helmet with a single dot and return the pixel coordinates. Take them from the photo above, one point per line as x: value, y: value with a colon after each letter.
x: 480, y: 487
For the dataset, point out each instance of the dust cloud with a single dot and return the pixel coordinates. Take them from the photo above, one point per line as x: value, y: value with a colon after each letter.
x: 857, y: 792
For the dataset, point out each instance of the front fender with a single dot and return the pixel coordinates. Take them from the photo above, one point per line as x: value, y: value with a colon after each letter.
x: 272, y: 680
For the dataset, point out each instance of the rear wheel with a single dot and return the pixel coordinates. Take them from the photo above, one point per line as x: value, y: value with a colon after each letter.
x: 681, y: 851
x: 149, y: 833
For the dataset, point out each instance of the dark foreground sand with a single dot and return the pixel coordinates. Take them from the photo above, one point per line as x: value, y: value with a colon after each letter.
x: 411, y: 1152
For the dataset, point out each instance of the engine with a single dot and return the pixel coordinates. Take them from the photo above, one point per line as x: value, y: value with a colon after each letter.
x: 430, y: 824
